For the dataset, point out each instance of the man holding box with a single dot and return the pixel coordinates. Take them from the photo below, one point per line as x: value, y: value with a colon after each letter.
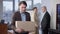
x: 21, y: 15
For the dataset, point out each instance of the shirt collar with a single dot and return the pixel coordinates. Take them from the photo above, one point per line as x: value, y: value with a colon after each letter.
x: 22, y: 12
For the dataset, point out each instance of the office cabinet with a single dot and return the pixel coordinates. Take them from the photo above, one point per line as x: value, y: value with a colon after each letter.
x: 3, y: 29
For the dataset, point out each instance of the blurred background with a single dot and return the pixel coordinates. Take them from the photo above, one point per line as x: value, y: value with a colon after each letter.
x: 8, y: 7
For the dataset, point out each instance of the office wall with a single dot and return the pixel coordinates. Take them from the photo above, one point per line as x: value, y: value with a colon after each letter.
x: 58, y: 1
x: 51, y: 7
x: 53, y: 14
x: 1, y: 9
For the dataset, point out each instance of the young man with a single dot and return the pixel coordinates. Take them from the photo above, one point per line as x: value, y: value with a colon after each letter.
x: 21, y: 15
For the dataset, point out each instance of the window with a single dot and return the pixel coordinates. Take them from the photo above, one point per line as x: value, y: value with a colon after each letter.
x: 10, y: 6
x: 7, y: 10
x: 16, y: 5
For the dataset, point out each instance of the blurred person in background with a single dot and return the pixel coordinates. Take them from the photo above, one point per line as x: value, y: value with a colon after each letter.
x: 44, y: 24
x: 35, y: 16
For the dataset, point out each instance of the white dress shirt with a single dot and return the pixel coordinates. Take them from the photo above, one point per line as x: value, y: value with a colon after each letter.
x: 41, y: 16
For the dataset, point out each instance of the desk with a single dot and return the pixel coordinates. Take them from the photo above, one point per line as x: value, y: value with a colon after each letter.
x: 3, y: 28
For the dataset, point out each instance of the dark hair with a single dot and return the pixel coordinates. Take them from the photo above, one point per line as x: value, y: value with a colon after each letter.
x: 23, y: 2
x: 34, y: 8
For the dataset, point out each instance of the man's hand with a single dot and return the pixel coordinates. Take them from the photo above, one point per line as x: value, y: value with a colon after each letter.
x: 36, y: 25
x: 19, y: 30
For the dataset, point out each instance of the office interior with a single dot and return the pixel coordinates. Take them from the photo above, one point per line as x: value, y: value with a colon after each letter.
x: 8, y: 7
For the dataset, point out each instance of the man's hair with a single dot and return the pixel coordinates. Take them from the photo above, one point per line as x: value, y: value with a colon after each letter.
x: 34, y: 8
x: 44, y: 7
x: 23, y: 2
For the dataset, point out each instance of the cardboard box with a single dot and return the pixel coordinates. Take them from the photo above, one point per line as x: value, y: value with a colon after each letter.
x: 27, y: 25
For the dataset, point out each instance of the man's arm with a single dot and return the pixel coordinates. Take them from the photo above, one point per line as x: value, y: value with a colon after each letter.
x: 14, y: 19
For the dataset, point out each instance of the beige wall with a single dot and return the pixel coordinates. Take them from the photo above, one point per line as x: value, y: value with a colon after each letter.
x: 58, y: 1
x: 53, y: 8
x: 1, y: 9
x: 53, y: 14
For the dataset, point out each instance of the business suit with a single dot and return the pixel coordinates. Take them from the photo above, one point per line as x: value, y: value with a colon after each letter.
x: 17, y: 17
x: 45, y: 23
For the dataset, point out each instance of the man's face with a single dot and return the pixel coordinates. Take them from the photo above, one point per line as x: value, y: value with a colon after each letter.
x: 43, y: 9
x: 22, y: 7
